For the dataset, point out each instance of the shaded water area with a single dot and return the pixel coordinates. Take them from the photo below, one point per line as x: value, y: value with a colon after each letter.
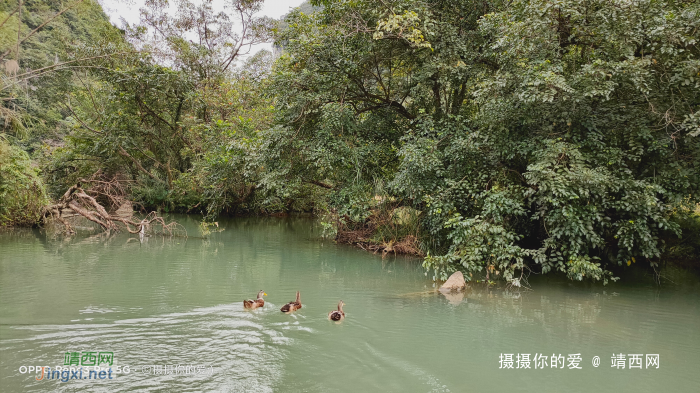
x: 177, y: 301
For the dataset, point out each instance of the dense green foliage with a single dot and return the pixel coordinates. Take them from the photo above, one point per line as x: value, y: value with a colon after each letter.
x: 175, y: 137
x: 22, y: 194
x: 37, y: 74
x: 505, y: 136
x: 547, y: 135
x: 31, y: 95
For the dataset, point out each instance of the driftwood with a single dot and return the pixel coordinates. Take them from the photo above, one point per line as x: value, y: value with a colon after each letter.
x: 77, y: 202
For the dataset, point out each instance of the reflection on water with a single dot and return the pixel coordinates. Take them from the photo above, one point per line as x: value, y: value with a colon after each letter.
x: 178, y: 301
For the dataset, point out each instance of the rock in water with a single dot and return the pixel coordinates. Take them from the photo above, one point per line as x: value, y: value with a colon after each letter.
x: 454, y: 283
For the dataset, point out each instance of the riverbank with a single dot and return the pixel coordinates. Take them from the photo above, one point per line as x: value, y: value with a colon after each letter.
x: 396, y: 231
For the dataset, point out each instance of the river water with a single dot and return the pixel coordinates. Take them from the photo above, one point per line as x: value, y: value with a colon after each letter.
x: 177, y: 301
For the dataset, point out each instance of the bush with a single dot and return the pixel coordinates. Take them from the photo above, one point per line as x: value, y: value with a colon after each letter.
x: 22, y: 193
x: 686, y: 248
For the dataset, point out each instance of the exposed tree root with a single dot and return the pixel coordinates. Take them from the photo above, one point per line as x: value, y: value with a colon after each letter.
x: 77, y: 201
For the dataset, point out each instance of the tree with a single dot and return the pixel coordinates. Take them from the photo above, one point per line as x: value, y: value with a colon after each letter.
x: 197, y: 38
x: 533, y: 135
x: 158, y: 114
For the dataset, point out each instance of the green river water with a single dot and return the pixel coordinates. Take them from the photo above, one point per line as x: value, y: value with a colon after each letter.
x: 177, y: 301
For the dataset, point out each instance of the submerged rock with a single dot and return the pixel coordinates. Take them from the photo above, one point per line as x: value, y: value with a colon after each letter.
x: 454, y: 283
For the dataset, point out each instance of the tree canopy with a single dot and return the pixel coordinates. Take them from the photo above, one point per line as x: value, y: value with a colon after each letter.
x: 554, y: 135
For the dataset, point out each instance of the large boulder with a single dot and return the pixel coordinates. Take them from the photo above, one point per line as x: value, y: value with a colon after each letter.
x: 454, y: 283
